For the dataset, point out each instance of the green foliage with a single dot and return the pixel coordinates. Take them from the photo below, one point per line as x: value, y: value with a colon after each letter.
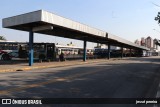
x: 158, y: 18
x: 2, y: 38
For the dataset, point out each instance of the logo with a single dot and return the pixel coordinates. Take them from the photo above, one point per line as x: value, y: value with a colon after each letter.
x: 6, y: 101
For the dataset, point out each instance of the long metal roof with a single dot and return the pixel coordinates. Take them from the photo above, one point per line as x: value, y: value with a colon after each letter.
x: 63, y: 27
x: 125, y: 42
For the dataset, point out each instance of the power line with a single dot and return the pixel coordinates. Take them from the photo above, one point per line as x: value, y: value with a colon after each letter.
x: 155, y: 4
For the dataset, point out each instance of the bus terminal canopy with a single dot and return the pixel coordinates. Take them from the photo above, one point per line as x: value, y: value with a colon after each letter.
x: 48, y: 23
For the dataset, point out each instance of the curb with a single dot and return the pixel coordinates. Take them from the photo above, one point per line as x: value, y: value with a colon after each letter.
x: 54, y: 66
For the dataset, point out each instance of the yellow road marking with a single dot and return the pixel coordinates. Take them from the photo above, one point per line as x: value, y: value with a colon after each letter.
x: 47, y: 82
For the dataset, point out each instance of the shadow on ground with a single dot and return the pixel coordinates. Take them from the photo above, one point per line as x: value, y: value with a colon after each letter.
x: 105, y: 80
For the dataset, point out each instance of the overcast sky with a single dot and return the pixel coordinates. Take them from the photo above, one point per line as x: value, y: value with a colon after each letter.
x: 129, y: 19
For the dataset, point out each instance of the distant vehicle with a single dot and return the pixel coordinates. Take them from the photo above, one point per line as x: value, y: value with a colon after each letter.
x: 42, y: 51
x: 13, y: 54
x: 73, y: 52
x: 101, y: 52
x: 4, y: 55
x: 21, y: 50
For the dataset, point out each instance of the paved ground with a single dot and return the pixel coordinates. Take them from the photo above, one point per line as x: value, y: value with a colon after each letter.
x: 18, y: 65
x: 128, y: 78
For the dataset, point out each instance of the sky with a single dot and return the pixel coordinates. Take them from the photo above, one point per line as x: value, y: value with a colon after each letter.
x: 128, y: 19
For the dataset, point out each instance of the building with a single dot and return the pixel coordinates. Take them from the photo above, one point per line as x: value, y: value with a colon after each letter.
x: 143, y: 41
x: 149, y: 42
x: 156, y: 46
x: 137, y: 42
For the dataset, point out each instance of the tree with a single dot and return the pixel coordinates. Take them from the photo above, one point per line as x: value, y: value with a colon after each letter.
x: 158, y: 18
x: 2, y: 38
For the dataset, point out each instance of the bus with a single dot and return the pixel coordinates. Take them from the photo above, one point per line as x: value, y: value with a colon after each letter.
x: 42, y: 51
x: 6, y: 47
x: 73, y: 52
x: 12, y: 49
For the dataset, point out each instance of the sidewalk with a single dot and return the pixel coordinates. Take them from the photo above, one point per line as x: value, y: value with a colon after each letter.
x: 24, y: 66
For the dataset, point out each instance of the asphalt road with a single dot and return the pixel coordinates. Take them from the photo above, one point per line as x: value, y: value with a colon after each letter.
x: 132, y: 78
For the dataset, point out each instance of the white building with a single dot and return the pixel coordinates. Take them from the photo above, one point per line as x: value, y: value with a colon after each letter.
x: 137, y: 42
x: 149, y: 42
x: 143, y: 41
